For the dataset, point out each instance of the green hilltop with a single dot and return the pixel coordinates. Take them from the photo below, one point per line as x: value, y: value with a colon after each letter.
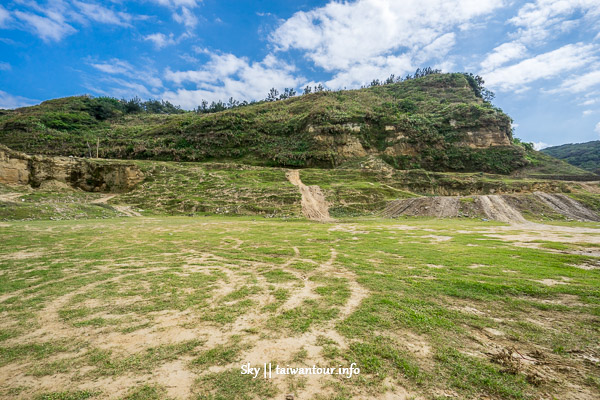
x: 438, y: 122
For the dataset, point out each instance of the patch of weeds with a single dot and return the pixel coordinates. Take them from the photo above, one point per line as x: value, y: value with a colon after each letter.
x: 242, y: 293
x: 147, y: 392
x: 278, y: 276
x: 380, y: 357
x: 7, y: 334
x: 334, y: 292
x: 231, y: 385
x: 303, y: 266
x: 35, y: 350
x: 281, y: 295
x: 476, y: 377
x: 145, y: 360
x: 299, y: 356
x: 134, y: 328
x: 228, y: 313
x: 78, y: 395
x: 51, y: 368
x: 301, y: 318
x: 218, y: 355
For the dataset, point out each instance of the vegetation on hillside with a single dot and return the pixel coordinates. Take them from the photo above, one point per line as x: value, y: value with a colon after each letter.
x: 433, y: 112
x: 582, y: 155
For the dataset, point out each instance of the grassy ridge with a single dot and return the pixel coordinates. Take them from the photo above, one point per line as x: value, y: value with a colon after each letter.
x: 433, y: 113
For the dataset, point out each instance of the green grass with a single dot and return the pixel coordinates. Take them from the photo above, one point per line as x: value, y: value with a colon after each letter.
x: 108, y: 303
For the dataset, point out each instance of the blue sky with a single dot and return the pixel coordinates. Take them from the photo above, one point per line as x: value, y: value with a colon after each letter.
x: 541, y: 58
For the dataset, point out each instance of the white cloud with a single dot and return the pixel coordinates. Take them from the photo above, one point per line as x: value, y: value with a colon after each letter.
x: 103, y: 15
x: 186, y: 17
x: 4, y: 66
x: 226, y: 75
x: 160, y: 40
x: 377, y: 36
x: 539, y: 20
x: 122, y: 79
x: 542, y: 66
x: 47, y: 29
x: 585, y: 113
x: 114, y: 66
x: 597, y: 128
x: 540, y: 145
x: 10, y: 101
x: 177, y: 3
x: 4, y: 16
x: 502, y: 54
x: 580, y: 83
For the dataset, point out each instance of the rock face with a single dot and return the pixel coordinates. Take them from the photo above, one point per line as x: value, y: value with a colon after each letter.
x: 486, y: 138
x: 91, y: 175
x: 343, y: 140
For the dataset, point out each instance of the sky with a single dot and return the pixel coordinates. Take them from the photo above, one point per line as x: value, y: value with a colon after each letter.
x: 541, y: 58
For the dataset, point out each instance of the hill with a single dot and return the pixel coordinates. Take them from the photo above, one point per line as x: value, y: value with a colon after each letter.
x: 582, y: 155
x: 437, y: 122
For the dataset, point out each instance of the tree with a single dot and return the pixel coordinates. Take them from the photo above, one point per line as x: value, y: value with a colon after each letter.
x: 232, y: 103
x: 307, y: 90
x: 273, y: 95
x: 287, y: 93
x: 476, y: 82
x: 133, y: 106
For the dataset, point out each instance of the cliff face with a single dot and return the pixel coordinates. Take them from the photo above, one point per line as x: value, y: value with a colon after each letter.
x: 17, y: 168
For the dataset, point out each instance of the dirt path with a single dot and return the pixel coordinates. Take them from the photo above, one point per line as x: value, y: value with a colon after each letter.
x: 10, y: 197
x: 314, y: 205
x: 567, y: 206
x: 125, y: 210
x: 104, y: 199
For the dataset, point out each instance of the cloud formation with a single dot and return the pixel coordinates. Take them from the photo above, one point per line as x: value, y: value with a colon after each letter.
x: 160, y: 40
x: 543, y: 66
x: 364, y: 37
x: 226, y: 75
x: 8, y: 101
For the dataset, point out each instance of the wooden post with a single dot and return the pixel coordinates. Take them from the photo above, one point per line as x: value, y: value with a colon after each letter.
x: 97, y: 146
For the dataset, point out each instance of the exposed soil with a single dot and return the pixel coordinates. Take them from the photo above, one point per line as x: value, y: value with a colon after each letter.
x: 497, y: 209
x: 314, y: 205
x: 504, y: 208
x: 567, y: 206
x: 10, y: 197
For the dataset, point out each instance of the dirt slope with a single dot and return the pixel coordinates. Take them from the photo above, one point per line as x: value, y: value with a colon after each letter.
x: 505, y: 208
x: 567, y: 206
x: 314, y: 205
x: 497, y: 209
x: 439, y: 206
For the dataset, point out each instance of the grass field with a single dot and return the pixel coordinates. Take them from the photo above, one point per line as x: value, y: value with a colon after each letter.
x: 172, y: 307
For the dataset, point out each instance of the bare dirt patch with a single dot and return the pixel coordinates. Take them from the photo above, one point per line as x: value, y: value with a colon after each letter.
x: 314, y: 205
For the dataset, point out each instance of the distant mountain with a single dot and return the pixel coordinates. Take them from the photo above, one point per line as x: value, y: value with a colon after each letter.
x: 582, y: 155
